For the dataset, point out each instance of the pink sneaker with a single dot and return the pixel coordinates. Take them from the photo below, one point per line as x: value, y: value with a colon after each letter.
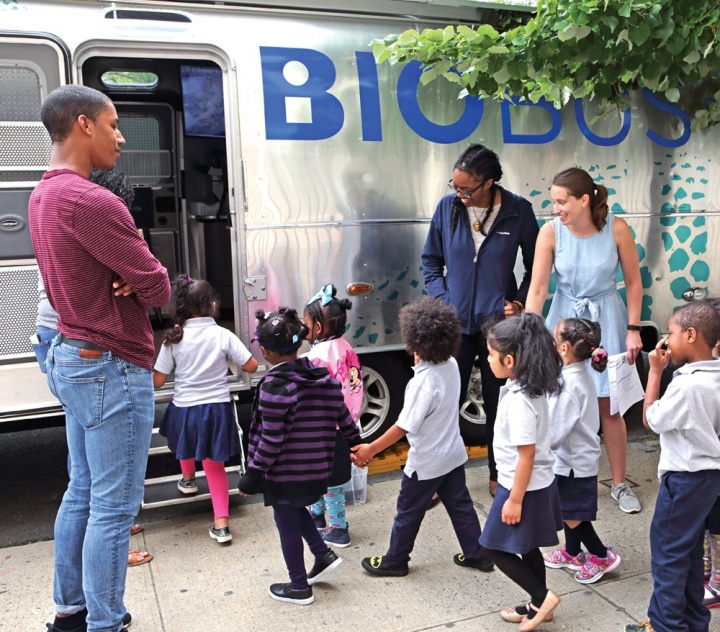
x: 560, y: 558
x: 712, y: 597
x: 595, y: 567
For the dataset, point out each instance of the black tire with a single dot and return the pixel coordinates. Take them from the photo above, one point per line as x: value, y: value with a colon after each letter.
x: 472, y: 415
x: 385, y: 376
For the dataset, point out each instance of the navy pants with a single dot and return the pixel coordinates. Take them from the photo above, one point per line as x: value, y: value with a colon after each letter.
x: 294, y: 525
x: 676, y: 545
x: 412, y: 503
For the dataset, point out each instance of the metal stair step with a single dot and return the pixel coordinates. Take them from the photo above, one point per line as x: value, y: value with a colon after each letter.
x: 163, y: 491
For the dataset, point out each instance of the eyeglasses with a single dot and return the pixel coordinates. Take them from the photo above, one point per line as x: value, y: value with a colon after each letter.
x: 466, y: 195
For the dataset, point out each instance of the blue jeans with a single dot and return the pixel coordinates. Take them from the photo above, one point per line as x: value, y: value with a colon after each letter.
x: 676, y: 546
x: 45, y: 336
x: 108, y: 405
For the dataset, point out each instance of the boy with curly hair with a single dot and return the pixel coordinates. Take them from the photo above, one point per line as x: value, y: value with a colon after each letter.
x: 437, y: 456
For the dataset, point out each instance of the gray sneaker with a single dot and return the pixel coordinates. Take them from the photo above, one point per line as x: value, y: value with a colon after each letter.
x: 626, y: 500
x: 187, y: 487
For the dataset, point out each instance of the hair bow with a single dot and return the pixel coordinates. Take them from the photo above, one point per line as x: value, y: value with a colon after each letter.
x: 325, y: 295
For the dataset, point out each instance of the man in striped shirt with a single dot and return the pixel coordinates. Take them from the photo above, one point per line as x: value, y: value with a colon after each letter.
x: 100, y: 277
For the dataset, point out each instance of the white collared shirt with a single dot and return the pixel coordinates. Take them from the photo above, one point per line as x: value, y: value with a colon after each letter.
x: 687, y: 418
x: 574, y: 423
x: 200, y: 361
x: 430, y: 416
x: 522, y: 420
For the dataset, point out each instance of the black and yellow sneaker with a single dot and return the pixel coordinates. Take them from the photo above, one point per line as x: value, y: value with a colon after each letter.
x: 481, y: 563
x: 384, y: 568
x: 640, y: 626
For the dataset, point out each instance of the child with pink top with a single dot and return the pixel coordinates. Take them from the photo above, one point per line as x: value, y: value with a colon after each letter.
x: 325, y: 317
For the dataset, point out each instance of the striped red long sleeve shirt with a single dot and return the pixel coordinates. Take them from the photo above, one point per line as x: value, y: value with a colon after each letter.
x: 84, y: 239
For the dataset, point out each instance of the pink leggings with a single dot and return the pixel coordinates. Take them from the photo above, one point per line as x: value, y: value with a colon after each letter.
x: 217, y: 482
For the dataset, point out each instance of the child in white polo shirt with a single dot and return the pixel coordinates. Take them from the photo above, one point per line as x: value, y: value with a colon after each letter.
x: 687, y: 418
x: 437, y: 456
x: 200, y: 423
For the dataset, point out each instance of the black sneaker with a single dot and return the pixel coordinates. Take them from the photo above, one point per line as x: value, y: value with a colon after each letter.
x: 319, y: 521
x: 221, y: 535
x: 288, y: 594
x: 481, y: 563
x: 126, y: 621
x: 384, y: 568
x: 323, y: 566
x: 80, y: 628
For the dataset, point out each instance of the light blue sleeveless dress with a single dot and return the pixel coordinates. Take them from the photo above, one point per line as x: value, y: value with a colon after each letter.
x: 586, y: 273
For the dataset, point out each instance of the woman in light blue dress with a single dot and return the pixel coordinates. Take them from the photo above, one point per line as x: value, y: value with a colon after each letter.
x: 585, y: 244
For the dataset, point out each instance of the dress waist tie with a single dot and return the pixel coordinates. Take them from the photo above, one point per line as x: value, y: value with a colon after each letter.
x: 585, y: 303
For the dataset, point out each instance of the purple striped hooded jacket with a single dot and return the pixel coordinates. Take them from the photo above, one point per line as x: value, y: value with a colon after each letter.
x: 297, y: 411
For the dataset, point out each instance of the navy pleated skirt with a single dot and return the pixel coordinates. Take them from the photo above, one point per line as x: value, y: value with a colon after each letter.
x: 578, y: 497
x: 203, y: 431
x: 540, y: 521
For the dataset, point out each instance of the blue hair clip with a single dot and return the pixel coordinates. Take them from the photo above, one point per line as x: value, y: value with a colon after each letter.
x: 324, y: 295
x: 295, y: 339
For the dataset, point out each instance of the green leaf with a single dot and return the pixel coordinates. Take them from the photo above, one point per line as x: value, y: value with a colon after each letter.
x: 664, y: 32
x: 428, y: 75
x: 502, y: 75
x: 672, y: 95
x: 611, y: 21
x: 602, y: 90
x: 692, y: 57
x: 517, y: 69
x: 675, y: 45
x: 639, y: 35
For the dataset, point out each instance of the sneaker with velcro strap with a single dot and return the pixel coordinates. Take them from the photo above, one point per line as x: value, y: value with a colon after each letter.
x: 384, y: 568
x: 337, y: 536
x: 481, y: 563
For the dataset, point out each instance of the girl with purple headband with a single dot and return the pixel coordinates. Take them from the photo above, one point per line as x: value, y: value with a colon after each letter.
x: 575, y: 441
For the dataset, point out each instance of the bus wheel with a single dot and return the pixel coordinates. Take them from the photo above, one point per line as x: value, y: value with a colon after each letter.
x: 472, y: 414
x: 384, y: 379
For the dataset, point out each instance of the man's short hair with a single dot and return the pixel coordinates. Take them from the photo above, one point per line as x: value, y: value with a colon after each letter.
x: 701, y: 316
x: 63, y: 105
x: 431, y: 329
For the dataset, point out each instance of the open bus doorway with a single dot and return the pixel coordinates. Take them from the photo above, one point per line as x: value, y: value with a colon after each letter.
x: 171, y: 113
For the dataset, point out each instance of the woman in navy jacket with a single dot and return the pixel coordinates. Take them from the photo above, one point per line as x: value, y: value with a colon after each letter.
x: 469, y: 260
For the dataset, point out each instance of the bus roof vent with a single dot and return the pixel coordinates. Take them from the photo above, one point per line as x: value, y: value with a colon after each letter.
x: 138, y: 22
x: 154, y: 16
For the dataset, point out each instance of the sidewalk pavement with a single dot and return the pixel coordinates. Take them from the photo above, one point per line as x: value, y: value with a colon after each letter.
x: 195, y: 585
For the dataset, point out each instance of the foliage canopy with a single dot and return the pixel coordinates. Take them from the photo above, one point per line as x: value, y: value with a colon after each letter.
x: 594, y: 49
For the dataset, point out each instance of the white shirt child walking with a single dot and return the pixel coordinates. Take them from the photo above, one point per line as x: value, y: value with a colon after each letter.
x: 525, y: 514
